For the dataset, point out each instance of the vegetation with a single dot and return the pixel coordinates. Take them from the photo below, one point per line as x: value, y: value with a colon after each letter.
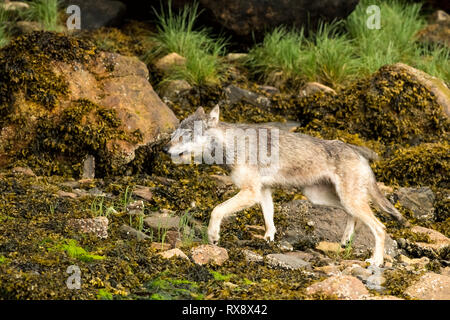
x: 340, y: 50
x: 46, y: 13
x: 176, y: 33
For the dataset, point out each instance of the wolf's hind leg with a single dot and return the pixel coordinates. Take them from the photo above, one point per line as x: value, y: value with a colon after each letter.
x: 244, y: 199
x: 267, y: 209
x: 349, y: 230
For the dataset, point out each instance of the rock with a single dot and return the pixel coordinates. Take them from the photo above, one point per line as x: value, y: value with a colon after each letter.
x: 235, y: 95
x: 97, y: 226
x: 64, y: 194
x: 235, y: 57
x: 135, y: 208
x: 420, y: 263
x: 100, y: 13
x: 328, y: 225
x: 164, y: 220
x: 255, y: 17
x: 207, y: 253
x: 89, y: 168
x: 361, y: 273
x: 431, y: 286
x: 251, y: 256
x: 169, y: 62
x: 23, y: 27
x: 23, y: 171
x: 329, y: 247
x: 114, y: 83
x: 438, y: 29
x: 132, y: 233
x: 376, y: 280
x: 311, y: 88
x: 160, y: 246
x: 330, y: 270
x: 173, y: 253
x: 419, y: 201
x: 173, y: 238
x: 445, y: 271
x: 173, y: 88
x: 439, y: 241
x: 285, y: 246
x: 288, y: 261
x: 344, y: 287
x: 143, y: 192
x: 433, y: 84
x: 270, y: 90
x: 14, y: 6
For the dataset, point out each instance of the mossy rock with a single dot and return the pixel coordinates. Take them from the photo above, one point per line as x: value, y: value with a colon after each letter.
x: 61, y: 99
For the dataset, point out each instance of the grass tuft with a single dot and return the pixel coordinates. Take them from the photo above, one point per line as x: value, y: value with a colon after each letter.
x: 46, y: 13
x: 176, y: 33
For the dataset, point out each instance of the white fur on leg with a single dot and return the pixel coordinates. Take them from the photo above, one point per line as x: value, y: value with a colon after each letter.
x: 267, y: 209
x: 349, y: 230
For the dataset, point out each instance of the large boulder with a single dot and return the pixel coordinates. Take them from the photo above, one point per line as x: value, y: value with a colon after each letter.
x: 99, y: 13
x: 255, y: 17
x: 61, y: 96
x: 308, y: 224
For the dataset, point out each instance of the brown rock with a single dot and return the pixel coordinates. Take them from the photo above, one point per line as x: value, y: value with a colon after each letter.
x: 207, y: 253
x: 172, y: 88
x: 439, y: 240
x: 329, y: 247
x: 170, y: 61
x: 97, y: 226
x: 161, y: 246
x: 132, y: 233
x: 435, y: 85
x: 313, y: 87
x: 65, y: 194
x: 344, y: 287
x: 431, y: 286
x: 24, y: 171
x: 173, y: 253
x: 438, y: 30
x: 143, y: 192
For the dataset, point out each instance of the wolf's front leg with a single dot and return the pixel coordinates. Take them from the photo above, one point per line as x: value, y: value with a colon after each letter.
x: 244, y: 199
x: 267, y: 209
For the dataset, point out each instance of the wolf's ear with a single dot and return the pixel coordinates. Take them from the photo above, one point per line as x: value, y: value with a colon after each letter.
x: 200, y: 112
x: 214, y: 116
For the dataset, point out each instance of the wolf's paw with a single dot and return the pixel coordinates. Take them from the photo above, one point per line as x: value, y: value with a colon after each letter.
x: 213, y: 236
x: 269, y: 236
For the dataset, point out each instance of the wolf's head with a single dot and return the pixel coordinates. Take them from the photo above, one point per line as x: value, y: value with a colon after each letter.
x: 192, y: 134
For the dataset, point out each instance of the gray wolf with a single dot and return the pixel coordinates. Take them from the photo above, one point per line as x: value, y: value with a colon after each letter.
x: 329, y: 172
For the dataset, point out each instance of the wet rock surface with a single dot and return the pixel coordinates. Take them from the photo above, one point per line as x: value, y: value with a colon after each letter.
x: 431, y: 286
x: 343, y: 287
x: 308, y: 224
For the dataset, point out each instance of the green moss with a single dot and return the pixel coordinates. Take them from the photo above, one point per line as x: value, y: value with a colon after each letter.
x: 397, y: 281
x: 73, y: 250
x: 103, y: 294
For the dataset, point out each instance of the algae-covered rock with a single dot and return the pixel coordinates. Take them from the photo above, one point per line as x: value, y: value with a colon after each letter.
x: 61, y: 98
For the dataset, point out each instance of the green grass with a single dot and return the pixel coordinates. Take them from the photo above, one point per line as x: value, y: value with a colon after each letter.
x: 176, y: 33
x: 46, y: 13
x: 341, y: 51
x: 4, y: 36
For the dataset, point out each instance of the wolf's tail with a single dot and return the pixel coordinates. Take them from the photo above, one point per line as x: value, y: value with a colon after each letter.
x: 385, y: 205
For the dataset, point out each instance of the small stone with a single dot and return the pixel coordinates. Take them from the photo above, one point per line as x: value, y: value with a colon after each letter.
x: 330, y: 270
x: 164, y: 220
x: 314, y: 87
x: 329, y: 247
x: 344, y: 287
x: 160, y: 246
x: 23, y: 171
x: 207, y: 253
x: 173, y: 237
x: 135, y: 208
x: 234, y: 57
x: 285, y: 246
x: 89, y: 167
x: 143, y: 192
x: 173, y: 253
x: 431, y: 286
x: 361, y: 273
x: 170, y: 61
x: 173, y: 88
x: 286, y: 261
x: 251, y: 256
x: 64, y: 194
x: 97, y: 226
x: 130, y: 232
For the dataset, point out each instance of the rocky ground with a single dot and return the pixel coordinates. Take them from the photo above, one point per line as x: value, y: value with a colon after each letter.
x: 85, y: 186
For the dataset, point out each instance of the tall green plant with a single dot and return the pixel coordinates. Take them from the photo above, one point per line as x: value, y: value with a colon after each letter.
x: 45, y: 12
